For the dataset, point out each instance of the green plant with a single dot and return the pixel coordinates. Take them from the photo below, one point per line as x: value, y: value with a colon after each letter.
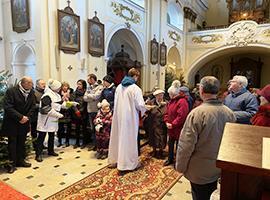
x: 170, y: 76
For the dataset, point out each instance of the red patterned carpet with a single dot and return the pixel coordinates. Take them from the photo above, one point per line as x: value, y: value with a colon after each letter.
x: 151, y: 181
x: 8, y: 193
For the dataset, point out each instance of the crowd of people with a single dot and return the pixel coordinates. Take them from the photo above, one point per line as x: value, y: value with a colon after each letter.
x: 107, y: 119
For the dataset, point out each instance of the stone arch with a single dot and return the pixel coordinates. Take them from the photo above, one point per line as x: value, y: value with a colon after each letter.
x: 23, y: 61
x: 134, y: 37
x: 223, y: 51
x: 174, y: 59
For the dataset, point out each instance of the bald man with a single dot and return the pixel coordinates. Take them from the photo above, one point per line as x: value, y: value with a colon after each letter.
x: 19, y: 105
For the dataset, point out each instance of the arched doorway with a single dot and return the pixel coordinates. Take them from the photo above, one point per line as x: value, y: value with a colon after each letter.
x: 226, y: 62
x: 24, y: 62
x: 173, y: 67
x: 124, y: 52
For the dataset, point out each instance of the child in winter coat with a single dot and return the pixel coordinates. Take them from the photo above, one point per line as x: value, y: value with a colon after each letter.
x: 102, y: 122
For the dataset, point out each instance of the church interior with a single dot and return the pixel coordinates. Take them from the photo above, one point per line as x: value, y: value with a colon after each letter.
x: 164, y: 39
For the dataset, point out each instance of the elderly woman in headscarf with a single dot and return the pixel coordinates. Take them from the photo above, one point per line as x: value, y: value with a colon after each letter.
x: 175, y: 116
x: 155, y: 124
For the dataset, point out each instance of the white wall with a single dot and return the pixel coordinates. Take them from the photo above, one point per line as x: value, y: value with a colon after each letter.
x: 217, y: 14
x: 2, y: 46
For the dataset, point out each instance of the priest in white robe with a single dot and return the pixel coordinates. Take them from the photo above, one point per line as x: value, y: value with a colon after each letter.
x: 129, y: 103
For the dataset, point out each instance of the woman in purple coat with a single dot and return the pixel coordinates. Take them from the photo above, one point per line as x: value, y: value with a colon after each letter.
x: 175, y: 116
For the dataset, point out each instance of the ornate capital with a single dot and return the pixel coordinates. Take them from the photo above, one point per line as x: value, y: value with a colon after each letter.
x: 189, y: 14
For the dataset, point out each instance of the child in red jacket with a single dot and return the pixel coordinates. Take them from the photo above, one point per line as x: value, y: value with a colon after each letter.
x: 102, y: 122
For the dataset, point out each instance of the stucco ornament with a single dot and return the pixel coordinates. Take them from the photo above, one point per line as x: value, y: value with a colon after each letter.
x: 126, y: 13
x: 174, y: 35
x: 266, y: 33
x: 207, y: 38
x: 242, y: 33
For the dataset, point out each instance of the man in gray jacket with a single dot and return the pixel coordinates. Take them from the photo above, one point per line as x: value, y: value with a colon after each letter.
x: 92, y: 96
x: 200, y: 139
x: 240, y: 100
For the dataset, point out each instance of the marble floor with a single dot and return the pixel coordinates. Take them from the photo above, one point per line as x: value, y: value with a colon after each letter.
x: 56, y: 173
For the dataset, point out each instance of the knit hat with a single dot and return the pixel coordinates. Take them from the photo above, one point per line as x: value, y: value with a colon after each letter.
x: 108, y: 78
x: 54, y: 84
x: 104, y: 105
x: 184, y: 89
x: 265, y: 92
x: 158, y: 91
x: 175, y: 88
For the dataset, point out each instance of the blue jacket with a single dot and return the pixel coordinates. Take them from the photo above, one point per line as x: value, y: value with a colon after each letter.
x: 244, y: 104
x: 108, y: 94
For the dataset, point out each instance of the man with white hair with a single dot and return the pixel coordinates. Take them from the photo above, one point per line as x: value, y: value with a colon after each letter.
x: 240, y: 100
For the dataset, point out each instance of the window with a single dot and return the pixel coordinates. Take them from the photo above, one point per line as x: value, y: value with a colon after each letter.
x: 138, y: 2
x: 175, y: 15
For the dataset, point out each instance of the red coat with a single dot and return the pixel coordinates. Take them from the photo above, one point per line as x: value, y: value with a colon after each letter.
x: 176, y: 114
x: 262, y: 117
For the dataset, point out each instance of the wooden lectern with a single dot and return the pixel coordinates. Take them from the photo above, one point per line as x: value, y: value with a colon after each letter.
x: 240, y: 160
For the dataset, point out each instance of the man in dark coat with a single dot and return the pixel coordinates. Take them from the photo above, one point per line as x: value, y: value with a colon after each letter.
x: 39, y: 91
x: 19, y: 104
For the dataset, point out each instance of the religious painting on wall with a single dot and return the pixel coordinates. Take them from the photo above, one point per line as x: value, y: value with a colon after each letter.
x: 217, y: 71
x: 163, y: 54
x: 69, y: 31
x: 20, y: 15
x: 154, y: 51
x: 95, y: 37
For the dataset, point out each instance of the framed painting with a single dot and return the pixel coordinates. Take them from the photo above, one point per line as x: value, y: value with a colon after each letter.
x: 69, y: 31
x: 20, y: 15
x: 95, y: 37
x: 154, y: 51
x: 217, y: 71
x: 163, y: 54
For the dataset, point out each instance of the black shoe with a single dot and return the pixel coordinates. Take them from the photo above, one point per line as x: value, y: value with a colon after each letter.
x: 104, y: 156
x: 76, y: 146
x: 83, y: 146
x: 98, y: 155
x: 92, y: 148
x: 39, y: 158
x: 11, y: 169
x: 53, y: 154
x: 45, y: 147
x: 67, y: 144
x: 23, y: 164
x: 59, y: 145
x: 168, y: 162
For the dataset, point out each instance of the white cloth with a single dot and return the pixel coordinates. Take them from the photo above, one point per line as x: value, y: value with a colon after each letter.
x: 49, y: 122
x: 123, y: 148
